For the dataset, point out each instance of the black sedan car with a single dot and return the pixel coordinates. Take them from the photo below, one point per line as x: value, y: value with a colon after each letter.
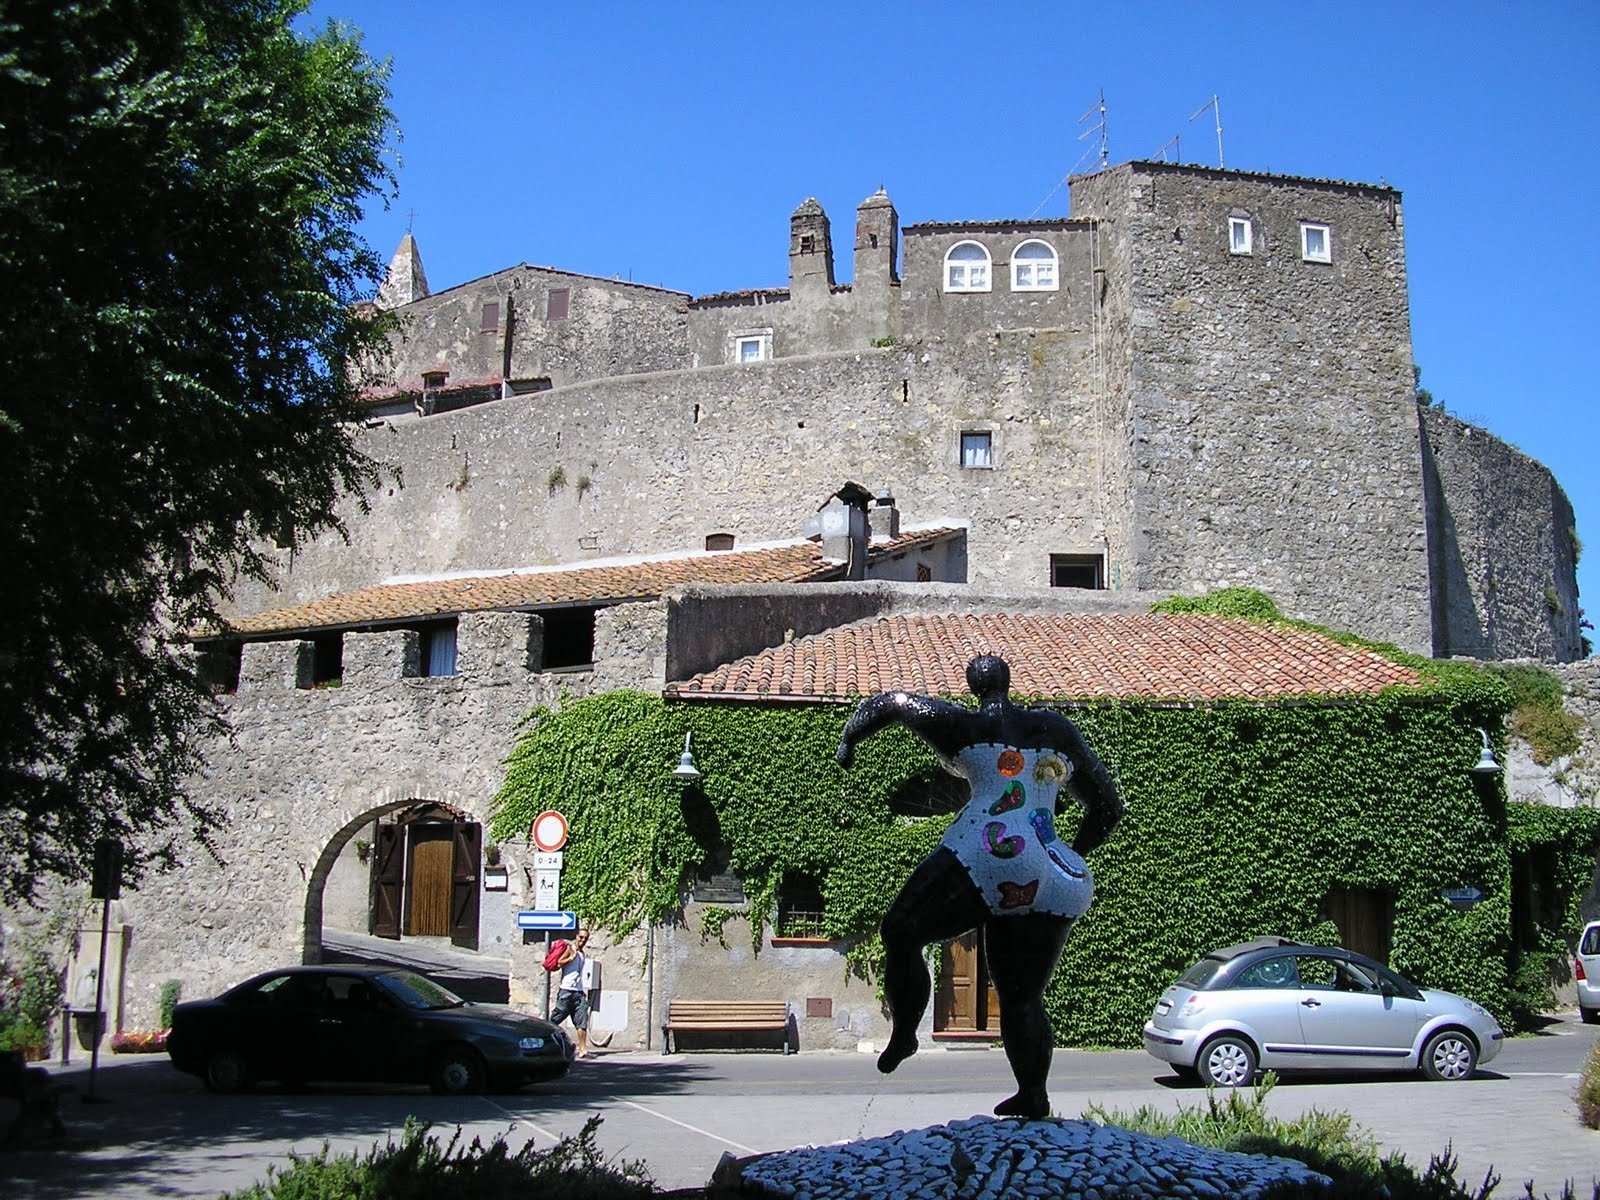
x: 347, y: 1023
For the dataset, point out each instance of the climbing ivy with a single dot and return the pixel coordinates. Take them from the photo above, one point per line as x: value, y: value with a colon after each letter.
x: 1241, y: 816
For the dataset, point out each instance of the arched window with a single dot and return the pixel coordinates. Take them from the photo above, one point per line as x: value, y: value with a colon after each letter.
x: 966, y: 268
x: 1033, y: 268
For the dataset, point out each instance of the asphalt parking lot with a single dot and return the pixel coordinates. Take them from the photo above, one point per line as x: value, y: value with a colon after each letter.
x: 159, y: 1134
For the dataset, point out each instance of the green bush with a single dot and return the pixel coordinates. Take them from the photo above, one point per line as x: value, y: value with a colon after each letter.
x: 1329, y: 1143
x: 170, y: 991
x: 419, y: 1168
x: 1589, y: 1089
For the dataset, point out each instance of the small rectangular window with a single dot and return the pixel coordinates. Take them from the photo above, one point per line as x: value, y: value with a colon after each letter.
x: 749, y: 350
x: 752, y: 346
x: 491, y: 317
x: 434, y: 380
x: 977, y: 449
x: 559, y: 304
x: 1240, y: 239
x: 327, y: 659
x: 1077, y: 571
x: 1316, y: 244
x: 439, y: 649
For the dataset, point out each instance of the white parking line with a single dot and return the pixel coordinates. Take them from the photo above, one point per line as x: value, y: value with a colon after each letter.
x: 520, y: 1120
x: 693, y: 1128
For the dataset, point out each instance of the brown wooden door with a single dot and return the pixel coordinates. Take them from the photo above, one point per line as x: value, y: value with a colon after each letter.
x: 467, y: 851
x: 388, y: 878
x: 966, y: 1002
x: 428, y: 885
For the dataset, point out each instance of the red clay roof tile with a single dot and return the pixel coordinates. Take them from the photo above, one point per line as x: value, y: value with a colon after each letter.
x: 1077, y: 656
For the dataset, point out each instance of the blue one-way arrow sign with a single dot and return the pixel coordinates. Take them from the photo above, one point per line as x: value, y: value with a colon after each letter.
x: 544, y: 918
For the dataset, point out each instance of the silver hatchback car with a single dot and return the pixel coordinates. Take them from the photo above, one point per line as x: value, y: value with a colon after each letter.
x: 1286, y: 1006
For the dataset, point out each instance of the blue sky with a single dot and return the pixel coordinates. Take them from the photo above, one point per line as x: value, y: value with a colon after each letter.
x: 668, y: 142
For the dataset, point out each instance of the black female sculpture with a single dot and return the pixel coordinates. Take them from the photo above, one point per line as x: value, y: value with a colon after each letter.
x: 999, y: 865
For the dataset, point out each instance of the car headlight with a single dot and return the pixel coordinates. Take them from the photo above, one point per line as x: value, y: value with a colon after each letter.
x: 531, y: 1043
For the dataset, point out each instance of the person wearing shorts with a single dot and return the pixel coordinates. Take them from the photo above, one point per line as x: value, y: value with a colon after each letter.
x: 572, y: 1002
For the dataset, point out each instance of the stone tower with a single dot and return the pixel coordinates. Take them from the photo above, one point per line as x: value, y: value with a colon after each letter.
x: 810, y: 251
x: 405, y: 281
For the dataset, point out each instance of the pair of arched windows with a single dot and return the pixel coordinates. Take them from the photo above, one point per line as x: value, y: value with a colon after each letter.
x: 1034, y: 268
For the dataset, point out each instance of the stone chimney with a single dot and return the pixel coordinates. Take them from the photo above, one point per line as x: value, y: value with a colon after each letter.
x: 810, y: 250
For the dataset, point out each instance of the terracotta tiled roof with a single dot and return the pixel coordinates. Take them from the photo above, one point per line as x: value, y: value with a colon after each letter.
x: 1079, y: 656
x: 798, y: 562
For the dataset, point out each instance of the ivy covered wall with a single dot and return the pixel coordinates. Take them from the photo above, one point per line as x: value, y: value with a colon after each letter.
x: 1240, y: 818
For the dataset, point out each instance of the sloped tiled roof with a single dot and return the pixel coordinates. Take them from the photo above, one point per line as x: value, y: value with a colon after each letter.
x: 797, y: 562
x: 1068, y: 655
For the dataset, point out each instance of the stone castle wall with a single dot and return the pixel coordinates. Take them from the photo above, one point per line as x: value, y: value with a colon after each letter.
x: 1502, y: 548
x: 1196, y: 418
x: 1274, y: 435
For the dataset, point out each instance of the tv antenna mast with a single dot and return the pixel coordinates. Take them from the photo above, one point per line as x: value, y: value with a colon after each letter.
x: 1215, y: 106
x: 1096, y: 109
x: 1177, y: 150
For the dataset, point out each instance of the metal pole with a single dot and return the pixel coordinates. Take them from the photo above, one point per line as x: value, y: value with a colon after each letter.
x: 99, y: 994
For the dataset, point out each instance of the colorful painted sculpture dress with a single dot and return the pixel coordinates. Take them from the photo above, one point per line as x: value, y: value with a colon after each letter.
x: 1000, y: 866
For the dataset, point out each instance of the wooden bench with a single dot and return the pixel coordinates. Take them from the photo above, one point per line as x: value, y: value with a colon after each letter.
x: 725, y: 1016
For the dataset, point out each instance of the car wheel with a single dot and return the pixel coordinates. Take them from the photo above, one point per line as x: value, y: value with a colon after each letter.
x: 457, y: 1071
x: 1449, y: 1055
x: 1589, y: 1015
x: 1227, y: 1061
x: 225, y: 1071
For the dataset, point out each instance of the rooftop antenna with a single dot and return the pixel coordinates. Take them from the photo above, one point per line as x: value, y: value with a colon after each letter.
x: 1215, y: 106
x: 1098, y: 128
x: 1099, y: 107
x: 1177, y: 150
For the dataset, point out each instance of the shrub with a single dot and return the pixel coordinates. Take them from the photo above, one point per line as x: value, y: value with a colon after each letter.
x: 1330, y: 1143
x: 1589, y: 1089
x: 419, y: 1167
x: 170, y: 991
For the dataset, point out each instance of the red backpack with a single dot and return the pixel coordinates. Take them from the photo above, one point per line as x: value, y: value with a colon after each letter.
x: 552, y: 956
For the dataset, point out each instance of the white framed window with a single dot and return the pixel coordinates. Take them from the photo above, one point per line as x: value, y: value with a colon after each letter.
x: 977, y: 449
x: 752, y: 346
x: 1241, y: 238
x: 1033, y: 268
x: 966, y: 268
x: 1316, y: 242
x: 439, y: 649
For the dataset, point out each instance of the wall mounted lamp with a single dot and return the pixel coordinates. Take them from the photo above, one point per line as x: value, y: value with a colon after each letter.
x: 1487, y: 764
x: 686, y: 771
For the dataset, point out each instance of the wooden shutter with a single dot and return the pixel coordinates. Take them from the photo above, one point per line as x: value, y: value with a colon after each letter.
x: 388, y: 872
x: 464, y: 888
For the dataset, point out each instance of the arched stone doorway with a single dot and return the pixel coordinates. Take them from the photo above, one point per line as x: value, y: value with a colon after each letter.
x: 426, y: 866
x: 408, y: 869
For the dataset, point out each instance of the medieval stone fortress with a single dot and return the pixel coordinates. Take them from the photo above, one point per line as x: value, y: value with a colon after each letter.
x: 1199, y: 379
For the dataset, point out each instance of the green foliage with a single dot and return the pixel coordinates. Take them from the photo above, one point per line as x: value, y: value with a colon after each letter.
x: 1241, y: 818
x: 180, y: 187
x: 420, y: 1168
x: 1225, y: 602
x: 171, y: 990
x: 1539, y: 718
x: 1589, y: 1089
x: 1556, y: 846
x: 1329, y: 1143
x: 30, y: 983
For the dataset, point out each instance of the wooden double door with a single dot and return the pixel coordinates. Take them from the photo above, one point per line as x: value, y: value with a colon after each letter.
x: 966, y: 1002
x: 425, y: 878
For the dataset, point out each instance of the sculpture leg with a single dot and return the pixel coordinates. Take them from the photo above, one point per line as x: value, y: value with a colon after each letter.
x: 1022, y: 953
x: 938, y: 902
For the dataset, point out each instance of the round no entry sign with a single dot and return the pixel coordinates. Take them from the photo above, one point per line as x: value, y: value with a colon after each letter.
x: 549, y: 831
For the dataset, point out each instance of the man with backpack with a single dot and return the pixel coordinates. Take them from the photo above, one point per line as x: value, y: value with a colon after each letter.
x: 572, y: 1001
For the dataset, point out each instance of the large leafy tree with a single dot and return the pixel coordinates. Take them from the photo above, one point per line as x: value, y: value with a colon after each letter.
x: 180, y: 182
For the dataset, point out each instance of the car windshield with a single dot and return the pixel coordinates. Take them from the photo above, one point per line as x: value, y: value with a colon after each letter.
x: 417, y: 991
